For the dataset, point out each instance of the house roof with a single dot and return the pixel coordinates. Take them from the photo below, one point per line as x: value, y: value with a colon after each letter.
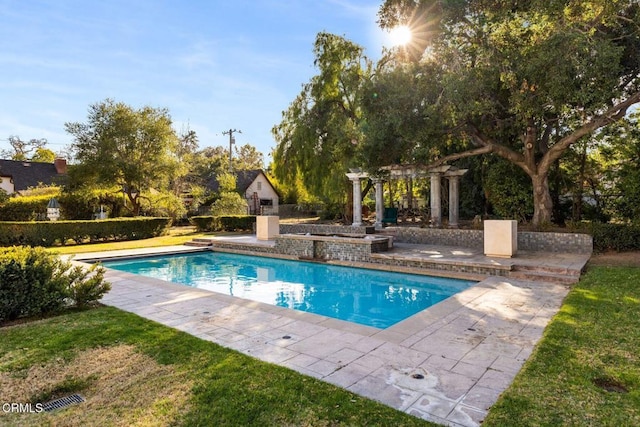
x: 29, y: 174
x: 244, y: 179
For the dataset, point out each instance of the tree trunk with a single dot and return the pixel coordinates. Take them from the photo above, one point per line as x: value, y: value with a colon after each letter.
x: 542, y: 203
x: 135, y: 203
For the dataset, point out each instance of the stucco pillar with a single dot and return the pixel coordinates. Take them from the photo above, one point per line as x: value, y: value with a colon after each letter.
x: 379, y: 203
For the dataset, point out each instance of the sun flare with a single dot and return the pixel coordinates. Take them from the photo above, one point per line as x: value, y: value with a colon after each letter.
x: 400, y: 36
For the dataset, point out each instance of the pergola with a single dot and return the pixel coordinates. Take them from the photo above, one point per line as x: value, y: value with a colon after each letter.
x: 451, y: 173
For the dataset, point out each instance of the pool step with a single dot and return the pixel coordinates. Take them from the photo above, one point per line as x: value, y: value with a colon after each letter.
x: 200, y: 242
x: 565, y: 276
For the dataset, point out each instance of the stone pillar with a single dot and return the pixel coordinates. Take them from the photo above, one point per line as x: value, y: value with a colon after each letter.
x: 357, y: 203
x: 454, y: 195
x: 436, y: 202
x: 436, y: 209
x: 379, y: 203
x: 454, y: 200
x: 355, y: 176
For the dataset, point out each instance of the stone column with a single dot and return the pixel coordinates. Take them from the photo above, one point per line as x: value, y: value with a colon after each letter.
x: 355, y: 176
x: 454, y: 200
x: 379, y: 203
x: 454, y: 195
x: 357, y: 203
x: 436, y: 202
x: 436, y: 210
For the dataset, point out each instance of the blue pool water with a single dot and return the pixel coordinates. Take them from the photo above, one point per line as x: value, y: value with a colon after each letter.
x: 368, y: 297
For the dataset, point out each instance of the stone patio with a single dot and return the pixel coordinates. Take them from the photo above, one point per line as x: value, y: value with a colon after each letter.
x: 447, y: 364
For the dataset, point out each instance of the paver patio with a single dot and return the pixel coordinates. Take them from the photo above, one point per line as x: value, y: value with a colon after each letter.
x: 447, y: 364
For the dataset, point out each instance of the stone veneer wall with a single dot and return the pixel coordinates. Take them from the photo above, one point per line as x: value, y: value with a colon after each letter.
x: 527, y: 240
x: 330, y: 249
x: 555, y: 242
x: 296, y: 247
x: 437, y: 236
x: 324, y: 229
x: 342, y: 251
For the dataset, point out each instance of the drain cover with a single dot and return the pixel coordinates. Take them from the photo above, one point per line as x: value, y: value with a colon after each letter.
x: 63, y: 402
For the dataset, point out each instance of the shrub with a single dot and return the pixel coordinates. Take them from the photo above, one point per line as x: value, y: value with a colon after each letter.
x: 84, y: 203
x: 86, y: 286
x: 48, y: 233
x: 509, y: 191
x: 24, y: 208
x: 229, y: 204
x: 616, y: 237
x: 224, y: 223
x: 33, y: 281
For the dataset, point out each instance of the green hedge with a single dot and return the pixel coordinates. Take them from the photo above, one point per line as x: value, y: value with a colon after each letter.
x: 224, y: 223
x: 33, y: 282
x: 615, y: 237
x: 49, y: 233
x: 24, y: 208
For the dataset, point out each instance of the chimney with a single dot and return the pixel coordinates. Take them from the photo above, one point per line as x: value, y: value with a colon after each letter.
x: 61, y: 166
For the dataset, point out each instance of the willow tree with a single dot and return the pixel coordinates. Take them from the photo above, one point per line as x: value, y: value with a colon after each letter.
x: 135, y: 149
x: 524, y: 80
x: 318, y: 137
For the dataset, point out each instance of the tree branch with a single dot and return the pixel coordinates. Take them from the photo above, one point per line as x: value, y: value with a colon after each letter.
x: 611, y: 115
x: 469, y: 153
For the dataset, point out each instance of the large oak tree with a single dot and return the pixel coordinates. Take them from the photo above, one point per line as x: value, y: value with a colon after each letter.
x: 524, y: 80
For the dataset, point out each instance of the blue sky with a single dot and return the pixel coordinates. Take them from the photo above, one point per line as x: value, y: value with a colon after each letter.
x: 214, y: 64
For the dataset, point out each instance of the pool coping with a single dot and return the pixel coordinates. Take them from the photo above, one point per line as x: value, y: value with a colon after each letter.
x: 468, y: 348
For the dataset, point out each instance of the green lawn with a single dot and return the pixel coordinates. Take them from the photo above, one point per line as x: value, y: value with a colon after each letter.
x: 137, y: 372
x: 175, y: 237
x: 586, y: 369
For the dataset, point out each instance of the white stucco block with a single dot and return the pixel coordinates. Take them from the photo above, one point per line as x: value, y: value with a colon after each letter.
x: 500, y: 238
x: 267, y: 227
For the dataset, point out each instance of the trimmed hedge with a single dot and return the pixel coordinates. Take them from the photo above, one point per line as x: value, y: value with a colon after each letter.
x: 224, y: 223
x: 49, y: 233
x: 33, y: 282
x: 24, y: 208
x: 615, y: 237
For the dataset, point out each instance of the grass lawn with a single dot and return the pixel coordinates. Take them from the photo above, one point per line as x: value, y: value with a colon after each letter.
x: 586, y: 369
x: 137, y: 372
x: 177, y: 236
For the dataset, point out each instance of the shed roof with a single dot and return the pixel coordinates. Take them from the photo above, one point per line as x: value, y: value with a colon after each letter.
x: 244, y: 179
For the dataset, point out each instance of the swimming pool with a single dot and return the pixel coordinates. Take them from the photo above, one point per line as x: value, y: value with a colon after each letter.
x: 368, y: 297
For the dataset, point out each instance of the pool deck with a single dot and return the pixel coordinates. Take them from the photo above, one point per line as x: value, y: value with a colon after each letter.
x: 467, y: 349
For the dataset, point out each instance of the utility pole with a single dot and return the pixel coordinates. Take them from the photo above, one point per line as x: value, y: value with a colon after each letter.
x: 232, y: 141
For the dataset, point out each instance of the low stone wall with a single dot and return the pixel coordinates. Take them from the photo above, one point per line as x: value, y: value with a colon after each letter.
x: 437, y: 236
x: 527, y: 240
x: 296, y: 247
x: 330, y: 248
x: 555, y: 242
x: 324, y: 229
